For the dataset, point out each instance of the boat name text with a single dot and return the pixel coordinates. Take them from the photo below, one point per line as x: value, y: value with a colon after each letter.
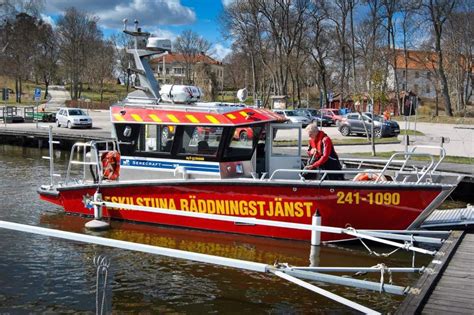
x: 261, y: 208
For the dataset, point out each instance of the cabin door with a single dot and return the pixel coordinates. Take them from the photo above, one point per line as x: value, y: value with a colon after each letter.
x: 278, y: 157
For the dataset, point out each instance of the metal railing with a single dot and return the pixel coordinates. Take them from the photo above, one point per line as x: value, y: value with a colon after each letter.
x: 90, y: 153
x: 390, y: 164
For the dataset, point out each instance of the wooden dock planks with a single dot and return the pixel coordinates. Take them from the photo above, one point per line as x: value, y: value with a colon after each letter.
x: 454, y: 292
x: 448, y: 286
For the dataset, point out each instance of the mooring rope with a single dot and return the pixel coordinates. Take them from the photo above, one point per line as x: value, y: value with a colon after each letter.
x: 102, y: 263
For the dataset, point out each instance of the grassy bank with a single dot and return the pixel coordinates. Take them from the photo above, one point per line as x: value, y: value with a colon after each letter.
x: 28, y: 91
x: 112, y: 92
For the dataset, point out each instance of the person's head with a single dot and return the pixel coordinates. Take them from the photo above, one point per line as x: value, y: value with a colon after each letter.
x: 312, y: 130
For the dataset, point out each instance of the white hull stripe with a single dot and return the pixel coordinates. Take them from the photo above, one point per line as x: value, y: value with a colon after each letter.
x: 170, y: 165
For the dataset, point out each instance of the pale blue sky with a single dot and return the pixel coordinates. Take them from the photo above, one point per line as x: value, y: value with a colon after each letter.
x: 164, y: 18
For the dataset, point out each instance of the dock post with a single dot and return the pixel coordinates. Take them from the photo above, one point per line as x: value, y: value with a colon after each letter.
x: 316, y: 235
x: 97, y: 224
x: 97, y: 208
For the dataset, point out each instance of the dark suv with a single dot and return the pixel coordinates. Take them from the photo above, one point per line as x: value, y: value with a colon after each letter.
x: 354, y: 124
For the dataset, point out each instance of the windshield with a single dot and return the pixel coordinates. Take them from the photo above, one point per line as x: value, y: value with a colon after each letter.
x: 291, y: 113
x: 76, y: 112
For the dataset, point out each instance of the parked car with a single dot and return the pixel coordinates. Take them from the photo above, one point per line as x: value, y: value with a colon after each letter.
x: 315, y: 116
x: 245, y: 134
x: 334, y: 113
x: 73, y: 117
x: 353, y: 123
x: 293, y: 116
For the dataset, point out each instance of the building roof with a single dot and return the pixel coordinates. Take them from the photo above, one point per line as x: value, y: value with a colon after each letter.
x: 423, y: 60
x: 180, y: 58
x: 416, y: 60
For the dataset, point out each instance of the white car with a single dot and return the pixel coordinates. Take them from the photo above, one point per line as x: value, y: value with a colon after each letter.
x: 73, y: 117
x: 293, y: 116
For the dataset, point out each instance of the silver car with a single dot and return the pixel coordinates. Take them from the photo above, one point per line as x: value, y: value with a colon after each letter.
x: 73, y: 117
x: 354, y: 123
x: 293, y: 116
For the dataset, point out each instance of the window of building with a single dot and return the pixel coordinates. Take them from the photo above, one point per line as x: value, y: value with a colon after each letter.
x: 417, y: 74
x: 161, y: 69
x: 428, y: 75
x: 403, y: 72
x: 404, y: 87
x: 428, y: 90
x: 167, y: 70
x: 178, y: 70
x: 415, y: 89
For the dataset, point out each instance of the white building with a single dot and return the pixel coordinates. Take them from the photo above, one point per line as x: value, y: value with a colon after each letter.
x: 421, y: 78
x: 415, y: 74
x: 171, y: 68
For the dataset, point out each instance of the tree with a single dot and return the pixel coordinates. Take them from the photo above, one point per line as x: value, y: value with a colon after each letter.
x: 237, y: 22
x: 101, y: 65
x: 121, y: 42
x: 339, y: 14
x: 458, y: 43
x: 438, y: 12
x: 77, y: 32
x: 318, y: 47
x: 21, y: 39
x: 190, y: 45
x: 46, y: 58
x: 11, y: 8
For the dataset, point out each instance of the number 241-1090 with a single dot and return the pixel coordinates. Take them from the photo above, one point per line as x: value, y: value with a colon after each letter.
x: 379, y: 198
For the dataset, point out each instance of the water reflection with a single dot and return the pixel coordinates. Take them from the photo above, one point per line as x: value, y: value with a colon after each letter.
x: 40, y: 274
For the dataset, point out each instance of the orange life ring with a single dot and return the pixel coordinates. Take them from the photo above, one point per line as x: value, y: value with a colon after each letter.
x: 110, y: 165
x: 366, y: 177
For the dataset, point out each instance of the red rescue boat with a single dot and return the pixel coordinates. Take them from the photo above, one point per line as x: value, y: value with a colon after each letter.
x: 222, y: 159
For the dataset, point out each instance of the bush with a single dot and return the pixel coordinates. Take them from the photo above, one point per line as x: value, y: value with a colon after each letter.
x: 424, y: 110
x: 464, y: 113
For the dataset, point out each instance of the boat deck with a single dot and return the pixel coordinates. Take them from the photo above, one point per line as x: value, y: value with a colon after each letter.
x: 447, y: 285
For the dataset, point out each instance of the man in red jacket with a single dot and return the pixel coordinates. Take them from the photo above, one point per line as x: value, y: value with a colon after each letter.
x: 321, y: 154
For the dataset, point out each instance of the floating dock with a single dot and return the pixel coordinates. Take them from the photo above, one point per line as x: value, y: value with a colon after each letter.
x: 447, y: 286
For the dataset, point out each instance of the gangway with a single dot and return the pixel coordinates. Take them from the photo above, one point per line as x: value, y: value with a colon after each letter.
x: 459, y: 218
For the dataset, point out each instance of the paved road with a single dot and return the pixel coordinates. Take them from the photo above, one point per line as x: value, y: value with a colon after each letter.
x: 461, y: 137
x: 59, y: 95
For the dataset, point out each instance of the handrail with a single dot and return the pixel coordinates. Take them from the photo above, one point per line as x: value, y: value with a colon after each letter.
x: 93, y: 149
x: 323, y: 172
x: 442, y: 154
x: 408, y: 155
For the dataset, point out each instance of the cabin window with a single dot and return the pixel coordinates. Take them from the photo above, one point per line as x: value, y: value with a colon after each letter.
x: 243, y: 141
x: 200, y: 140
x: 156, y: 138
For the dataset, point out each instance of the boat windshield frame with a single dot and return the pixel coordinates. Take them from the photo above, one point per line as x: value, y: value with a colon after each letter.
x: 189, y: 142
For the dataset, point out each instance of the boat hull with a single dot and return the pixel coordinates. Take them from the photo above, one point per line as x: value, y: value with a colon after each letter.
x: 362, y: 206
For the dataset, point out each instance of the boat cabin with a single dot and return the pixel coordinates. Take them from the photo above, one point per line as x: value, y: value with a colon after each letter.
x: 199, y: 141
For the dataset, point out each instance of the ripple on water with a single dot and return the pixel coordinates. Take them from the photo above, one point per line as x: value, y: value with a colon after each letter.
x: 45, y: 275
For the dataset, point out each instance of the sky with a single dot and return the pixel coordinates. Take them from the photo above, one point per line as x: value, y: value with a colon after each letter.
x: 162, y: 18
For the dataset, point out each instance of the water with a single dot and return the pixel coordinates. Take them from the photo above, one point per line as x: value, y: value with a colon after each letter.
x: 40, y: 274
